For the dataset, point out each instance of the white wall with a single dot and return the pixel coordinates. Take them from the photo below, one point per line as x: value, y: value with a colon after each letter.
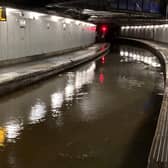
x: 42, y: 33
x: 150, y: 32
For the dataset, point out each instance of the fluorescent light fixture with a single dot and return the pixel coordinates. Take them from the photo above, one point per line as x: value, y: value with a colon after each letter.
x: 130, y: 54
x: 55, y: 18
x: 94, y: 16
x: 166, y: 26
x: 77, y: 22
x: 64, y: 26
x: 35, y: 15
x: 122, y: 53
x: 68, y: 21
x: 92, y: 24
x: 123, y: 27
x: 127, y: 27
x: 12, y: 10
x: 151, y: 26
x: 161, y: 26
x: 126, y: 53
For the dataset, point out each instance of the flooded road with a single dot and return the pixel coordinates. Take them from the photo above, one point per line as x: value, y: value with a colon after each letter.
x: 99, y: 115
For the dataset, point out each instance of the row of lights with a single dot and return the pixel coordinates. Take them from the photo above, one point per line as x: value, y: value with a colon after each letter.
x: 138, y: 57
x: 37, y: 15
x: 144, y: 27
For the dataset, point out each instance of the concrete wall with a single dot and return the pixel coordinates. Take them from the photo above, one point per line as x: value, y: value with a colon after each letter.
x: 27, y: 33
x: 150, y: 32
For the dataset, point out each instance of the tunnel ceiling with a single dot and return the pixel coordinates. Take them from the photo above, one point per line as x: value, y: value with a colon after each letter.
x: 91, y: 10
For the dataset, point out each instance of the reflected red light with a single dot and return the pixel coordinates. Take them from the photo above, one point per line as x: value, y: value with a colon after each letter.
x: 102, y: 48
x: 101, y: 78
x: 91, y: 29
x: 103, y: 60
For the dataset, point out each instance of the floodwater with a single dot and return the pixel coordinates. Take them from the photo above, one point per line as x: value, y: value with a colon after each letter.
x: 99, y: 115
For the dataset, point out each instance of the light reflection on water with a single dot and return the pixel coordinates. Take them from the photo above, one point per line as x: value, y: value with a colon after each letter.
x: 37, y: 114
x: 13, y: 129
x: 75, y: 81
x: 130, y: 54
x: 57, y: 100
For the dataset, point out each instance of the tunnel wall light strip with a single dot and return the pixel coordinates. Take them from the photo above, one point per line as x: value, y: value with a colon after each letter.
x: 68, y: 21
x: 56, y: 18
x: 36, y: 15
x: 144, y: 27
x: 12, y: 11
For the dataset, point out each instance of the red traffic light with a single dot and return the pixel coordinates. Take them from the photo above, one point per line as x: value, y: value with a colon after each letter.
x: 104, y: 28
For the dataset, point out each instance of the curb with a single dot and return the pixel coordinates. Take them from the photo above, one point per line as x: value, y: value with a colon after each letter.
x: 33, y: 77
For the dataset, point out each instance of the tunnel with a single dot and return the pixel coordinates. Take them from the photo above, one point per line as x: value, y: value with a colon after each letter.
x: 83, y: 84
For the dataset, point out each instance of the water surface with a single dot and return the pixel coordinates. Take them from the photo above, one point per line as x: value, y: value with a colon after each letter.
x: 100, y: 115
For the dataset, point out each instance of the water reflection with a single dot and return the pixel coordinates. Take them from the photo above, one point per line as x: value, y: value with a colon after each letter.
x: 78, y: 118
x: 57, y: 100
x: 75, y: 81
x: 101, y: 78
x: 11, y: 129
x: 103, y: 59
x: 70, y: 87
x: 85, y: 76
x: 130, y: 54
x: 38, y: 112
